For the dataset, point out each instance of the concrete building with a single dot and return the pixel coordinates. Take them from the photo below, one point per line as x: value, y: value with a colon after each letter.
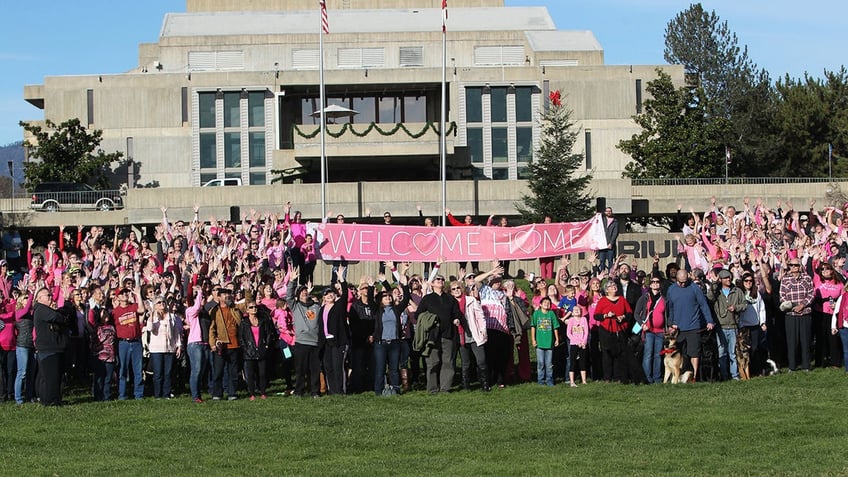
x: 230, y: 87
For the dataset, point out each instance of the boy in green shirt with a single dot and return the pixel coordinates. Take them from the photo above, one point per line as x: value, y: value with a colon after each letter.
x: 544, y: 336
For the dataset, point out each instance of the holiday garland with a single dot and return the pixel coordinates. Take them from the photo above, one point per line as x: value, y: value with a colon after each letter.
x: 373, y: 126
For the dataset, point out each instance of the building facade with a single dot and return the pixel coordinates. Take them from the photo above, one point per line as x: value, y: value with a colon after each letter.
x: 230, y: 90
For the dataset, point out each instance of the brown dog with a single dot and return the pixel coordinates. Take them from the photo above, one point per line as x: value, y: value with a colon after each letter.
x: 743, y: 353
x: 673, y: 360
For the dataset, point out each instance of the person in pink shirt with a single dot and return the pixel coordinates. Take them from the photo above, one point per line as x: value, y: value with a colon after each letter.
x: 198, y: 345
x: 8, y: 355
x: 828, y: 288
x: 282, y: 317
x: 577, y: 330
x: 307, y: 251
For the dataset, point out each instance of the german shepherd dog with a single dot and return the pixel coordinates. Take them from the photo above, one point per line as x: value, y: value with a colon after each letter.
x: 743, y: 353
x: 673, y: 360
x: 708, y: 365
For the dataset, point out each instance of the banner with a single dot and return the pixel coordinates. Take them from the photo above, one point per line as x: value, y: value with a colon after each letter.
x: 458, y: 244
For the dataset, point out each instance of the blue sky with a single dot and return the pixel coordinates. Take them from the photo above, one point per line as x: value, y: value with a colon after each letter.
x: 98, y: 36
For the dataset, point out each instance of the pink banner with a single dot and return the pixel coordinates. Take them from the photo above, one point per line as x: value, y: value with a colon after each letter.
x: 455, y: 244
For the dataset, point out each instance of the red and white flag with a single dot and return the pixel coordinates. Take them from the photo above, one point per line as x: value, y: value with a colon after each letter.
x: 444, y: 16
x: 727, y: 153
x: 325, y: 23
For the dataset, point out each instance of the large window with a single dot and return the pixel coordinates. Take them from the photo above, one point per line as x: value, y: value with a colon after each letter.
x: 500, y: 123
x: 370, y: 107
x: 221, y: 145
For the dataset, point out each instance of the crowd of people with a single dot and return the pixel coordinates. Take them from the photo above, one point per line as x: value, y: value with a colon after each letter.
x: 225, y: 308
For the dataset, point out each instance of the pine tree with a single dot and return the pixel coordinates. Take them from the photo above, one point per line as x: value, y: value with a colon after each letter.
x: 556, y: 190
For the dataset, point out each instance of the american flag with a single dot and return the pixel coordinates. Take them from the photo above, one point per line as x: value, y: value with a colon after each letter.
x: 444, y: 16
x: 325, y: 23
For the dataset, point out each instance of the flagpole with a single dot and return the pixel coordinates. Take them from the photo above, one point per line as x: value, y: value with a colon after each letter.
x: 830, y: 161
x: 322, y: 106
x: 443, y: 128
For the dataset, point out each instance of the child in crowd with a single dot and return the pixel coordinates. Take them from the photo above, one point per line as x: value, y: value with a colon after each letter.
x: 577, y: 330
x: 104, y: 345
x: 544, y: 336
x: 561, y: 353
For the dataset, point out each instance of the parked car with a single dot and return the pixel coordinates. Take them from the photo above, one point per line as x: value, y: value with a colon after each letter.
x: 230, y: 181
x: 56, y: 196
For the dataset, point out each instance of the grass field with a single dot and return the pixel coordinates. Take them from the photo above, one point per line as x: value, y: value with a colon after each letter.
x: 791, y: 424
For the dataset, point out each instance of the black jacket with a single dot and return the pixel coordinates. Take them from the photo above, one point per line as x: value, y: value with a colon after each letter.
x: 446, y: 308
x: 337, y: 320
x: 361, y: 318
x: 267, y: 338
x: 634, y: 292
x: 50, y: 329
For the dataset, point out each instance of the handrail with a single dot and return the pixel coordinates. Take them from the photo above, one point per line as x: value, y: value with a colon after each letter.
x: 697, y: 181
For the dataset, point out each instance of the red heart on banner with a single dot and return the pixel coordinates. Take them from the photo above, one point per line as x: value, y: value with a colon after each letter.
x: 426, y: 244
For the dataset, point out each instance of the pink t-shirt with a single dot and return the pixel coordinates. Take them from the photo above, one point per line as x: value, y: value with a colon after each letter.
x: 255, y: 331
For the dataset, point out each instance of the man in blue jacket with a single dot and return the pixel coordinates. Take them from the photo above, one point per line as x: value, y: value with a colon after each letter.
x: 688, y: 313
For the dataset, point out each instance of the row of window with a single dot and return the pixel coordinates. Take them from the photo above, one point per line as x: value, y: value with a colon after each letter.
x: 365, y: 57
x: 390, y: 109
x: 232, y: 136
x: 241, y: 129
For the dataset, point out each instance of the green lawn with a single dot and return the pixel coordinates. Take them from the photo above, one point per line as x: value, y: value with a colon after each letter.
x: 791, y: 424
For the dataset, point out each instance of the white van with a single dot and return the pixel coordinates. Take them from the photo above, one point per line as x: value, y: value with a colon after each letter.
x: 231, y: 181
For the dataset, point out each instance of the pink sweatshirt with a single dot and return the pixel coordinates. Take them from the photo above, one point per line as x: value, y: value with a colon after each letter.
x: 577, y: 330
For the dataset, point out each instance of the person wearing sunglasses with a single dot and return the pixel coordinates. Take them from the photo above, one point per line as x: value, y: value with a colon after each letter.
x: 257, y: 336
x: 796, y: 296
x: 440, y: 362
x: 650, y: 315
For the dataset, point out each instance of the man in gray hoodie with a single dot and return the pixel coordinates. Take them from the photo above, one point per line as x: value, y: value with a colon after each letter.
x: 309, y: 336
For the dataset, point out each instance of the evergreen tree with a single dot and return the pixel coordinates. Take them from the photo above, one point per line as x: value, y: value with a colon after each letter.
x: 811, y: 114
x: 66, y: 152
x: 737, y: 94
x: 556, y: 188
x: 678, y: 138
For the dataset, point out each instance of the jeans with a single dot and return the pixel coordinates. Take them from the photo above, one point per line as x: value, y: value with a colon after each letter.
x: 230, y: 358
x: 727, y: 352
x: 544, y: 366
x: 843, y: 335
x: 255, y: 375
x: 471, y: 352
x: 199, y: 362
x: 25, y: 376
x: 162, y: 364
x: 651, y: 359
x: 606, y: 257
x: 129, y: 354
x: 386, y: 352
x: 102, y: 389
